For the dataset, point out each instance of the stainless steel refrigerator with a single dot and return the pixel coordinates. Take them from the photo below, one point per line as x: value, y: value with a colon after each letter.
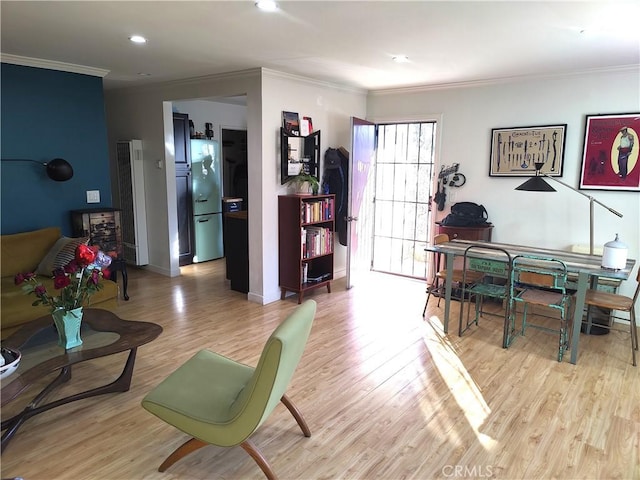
x: 206, y: 176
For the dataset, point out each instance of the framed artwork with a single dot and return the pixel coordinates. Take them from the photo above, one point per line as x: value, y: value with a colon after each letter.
x: 610, y: 153
x: 515, y: 151
x: 291, y: 123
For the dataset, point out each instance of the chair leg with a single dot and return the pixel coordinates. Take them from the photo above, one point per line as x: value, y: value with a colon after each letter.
x: 297, y: 415
x: 440, y: 291
x: 562, y: 337
x: 430, y: 288
x: 251, y: 449
x: 634, y: 334
x: 427, y: 302
x: 182, y: 451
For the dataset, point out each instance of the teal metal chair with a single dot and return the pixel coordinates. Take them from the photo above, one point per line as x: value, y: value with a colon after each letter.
x: 541, y: 281
x: 494, y: 266
x: 218, y: 401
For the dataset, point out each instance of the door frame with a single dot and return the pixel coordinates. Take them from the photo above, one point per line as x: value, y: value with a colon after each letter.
x: 422, y: 118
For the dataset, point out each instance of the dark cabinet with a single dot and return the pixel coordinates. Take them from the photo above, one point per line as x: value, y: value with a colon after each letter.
x: 182, y: 145
x: 301, y: 154
x: 237, y: 255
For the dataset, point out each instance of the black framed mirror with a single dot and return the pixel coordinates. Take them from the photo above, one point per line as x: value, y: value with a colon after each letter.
x: 299, y: 155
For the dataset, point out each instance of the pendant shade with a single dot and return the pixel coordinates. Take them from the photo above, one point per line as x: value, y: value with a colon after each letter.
x: 536, y: 184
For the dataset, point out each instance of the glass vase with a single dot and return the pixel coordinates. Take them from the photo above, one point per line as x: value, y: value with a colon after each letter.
x: 68, y: 325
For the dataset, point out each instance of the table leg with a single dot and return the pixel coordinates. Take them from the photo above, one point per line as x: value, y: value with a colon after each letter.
x: 583, y: 278
x: 10, y: 426
x: 121, y: 384
x: 125, y: 280
x: 120, y: 265
x: 447, y: 284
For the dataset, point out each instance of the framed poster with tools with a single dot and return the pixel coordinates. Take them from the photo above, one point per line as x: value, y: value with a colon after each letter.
x: 515, y: 151
x: 610, y: 153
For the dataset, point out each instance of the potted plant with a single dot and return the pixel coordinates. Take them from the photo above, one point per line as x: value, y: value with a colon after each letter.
x: 305, y: 183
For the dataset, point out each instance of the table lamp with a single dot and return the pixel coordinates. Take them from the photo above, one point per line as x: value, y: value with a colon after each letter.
x: 538, y: 184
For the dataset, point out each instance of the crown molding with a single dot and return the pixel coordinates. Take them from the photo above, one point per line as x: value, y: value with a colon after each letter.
x: 312, y: 81
x: 52, y: 65
x: 497, y: 81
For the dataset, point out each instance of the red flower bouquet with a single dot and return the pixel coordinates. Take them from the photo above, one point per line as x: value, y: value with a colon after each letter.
x: 76, y: 282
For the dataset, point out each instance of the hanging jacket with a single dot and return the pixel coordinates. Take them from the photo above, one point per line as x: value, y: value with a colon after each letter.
x: 335, y: 180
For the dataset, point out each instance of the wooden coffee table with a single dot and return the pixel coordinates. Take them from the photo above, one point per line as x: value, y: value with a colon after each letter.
x: 103, y: 333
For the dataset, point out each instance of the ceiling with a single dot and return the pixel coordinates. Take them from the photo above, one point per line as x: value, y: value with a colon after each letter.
x: 347, y: 43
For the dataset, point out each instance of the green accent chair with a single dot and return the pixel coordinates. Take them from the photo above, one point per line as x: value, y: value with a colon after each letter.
x: 221, y: 402
x: 541, y: 281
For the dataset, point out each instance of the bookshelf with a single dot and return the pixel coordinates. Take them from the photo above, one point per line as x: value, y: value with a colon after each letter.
x: 306, y: 227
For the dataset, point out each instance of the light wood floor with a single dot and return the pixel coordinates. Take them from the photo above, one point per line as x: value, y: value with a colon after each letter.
x: 386, y: 395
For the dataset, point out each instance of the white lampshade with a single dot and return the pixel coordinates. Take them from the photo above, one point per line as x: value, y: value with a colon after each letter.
x: 614, y: 254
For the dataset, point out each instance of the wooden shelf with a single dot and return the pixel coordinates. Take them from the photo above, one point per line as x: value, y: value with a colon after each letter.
x: 306, y: 226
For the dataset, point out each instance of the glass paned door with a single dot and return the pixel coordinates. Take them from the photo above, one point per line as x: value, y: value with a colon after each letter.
x: 403, y: 190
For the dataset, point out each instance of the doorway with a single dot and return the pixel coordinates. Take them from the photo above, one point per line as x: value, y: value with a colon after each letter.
x: 234, y: 166
x: 391, y: 185
x: 404, y: 166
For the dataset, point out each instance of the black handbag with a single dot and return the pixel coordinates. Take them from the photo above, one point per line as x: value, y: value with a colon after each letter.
x: 466, y: 214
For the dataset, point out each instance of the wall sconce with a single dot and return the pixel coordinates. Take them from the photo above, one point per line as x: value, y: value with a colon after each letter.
x: 538, y: 184
x: 58, y: 169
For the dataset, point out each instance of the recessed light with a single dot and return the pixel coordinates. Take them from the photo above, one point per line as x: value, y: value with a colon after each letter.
x: 267, y: 5
x: 142, y: 74
x: 137, y: 39
x: 401, y: 59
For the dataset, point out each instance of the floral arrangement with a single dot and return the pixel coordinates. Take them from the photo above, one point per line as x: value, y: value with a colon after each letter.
x: 76, y: 281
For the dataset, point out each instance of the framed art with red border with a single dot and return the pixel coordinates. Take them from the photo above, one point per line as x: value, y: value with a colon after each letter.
x: 610, y: 153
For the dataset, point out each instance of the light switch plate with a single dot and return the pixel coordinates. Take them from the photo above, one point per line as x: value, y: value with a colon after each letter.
x: 93, y: 196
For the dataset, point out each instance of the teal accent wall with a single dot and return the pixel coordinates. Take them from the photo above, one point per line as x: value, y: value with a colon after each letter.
x: 49, y: 114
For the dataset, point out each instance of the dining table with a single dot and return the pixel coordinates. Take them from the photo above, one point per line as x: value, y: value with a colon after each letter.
x: 586, y: 269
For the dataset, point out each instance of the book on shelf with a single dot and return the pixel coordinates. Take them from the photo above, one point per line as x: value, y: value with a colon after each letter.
x: 310, y: 122
x: 317, y: 210
x: 316, y: 241
x: 304, y: 127
x: 315, y: 278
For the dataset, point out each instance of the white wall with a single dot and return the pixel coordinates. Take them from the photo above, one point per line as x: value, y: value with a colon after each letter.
x: 552, y: 220
x: 330, y: 108
x: 143, y: 113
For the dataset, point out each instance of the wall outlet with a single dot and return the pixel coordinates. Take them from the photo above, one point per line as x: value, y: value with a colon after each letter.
x: 93, y: 196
